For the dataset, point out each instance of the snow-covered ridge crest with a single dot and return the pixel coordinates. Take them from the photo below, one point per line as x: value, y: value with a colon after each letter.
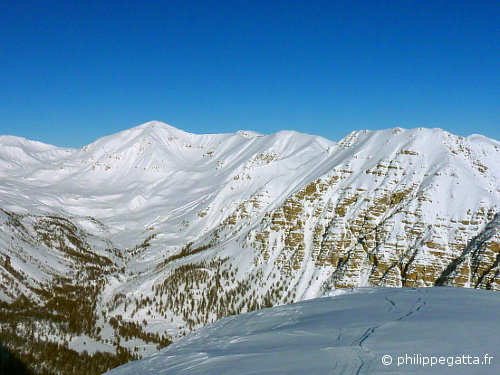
x: 166, y: 231
x: 150, y: 162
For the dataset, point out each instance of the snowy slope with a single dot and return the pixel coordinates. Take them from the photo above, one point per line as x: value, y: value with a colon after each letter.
x: 165, y: 231
x: 347, y: 334
x: 145, y: 167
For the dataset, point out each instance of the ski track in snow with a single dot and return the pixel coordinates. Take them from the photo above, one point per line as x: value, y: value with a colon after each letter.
x: 343, y: 335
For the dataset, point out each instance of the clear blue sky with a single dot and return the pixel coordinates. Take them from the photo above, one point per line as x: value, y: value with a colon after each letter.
x: 72, y: 71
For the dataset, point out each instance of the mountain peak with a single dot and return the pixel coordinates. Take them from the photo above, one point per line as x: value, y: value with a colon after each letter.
x: 157, y: 128
x: 158, y: 125
x: 152, y: 131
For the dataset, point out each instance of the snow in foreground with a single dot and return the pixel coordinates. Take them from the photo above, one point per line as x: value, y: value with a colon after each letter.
x: 345, y: 334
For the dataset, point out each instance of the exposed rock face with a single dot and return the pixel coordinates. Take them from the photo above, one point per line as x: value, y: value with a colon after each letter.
x: 153, y: 232
x: 381, y: 238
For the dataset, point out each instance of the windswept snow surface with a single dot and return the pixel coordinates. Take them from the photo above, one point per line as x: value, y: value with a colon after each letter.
x: 345, y: 334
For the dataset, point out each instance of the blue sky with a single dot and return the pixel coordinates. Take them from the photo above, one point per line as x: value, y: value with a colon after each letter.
x: 73, y: 71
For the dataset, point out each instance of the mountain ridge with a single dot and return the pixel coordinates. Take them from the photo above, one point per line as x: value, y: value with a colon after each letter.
x: 168, y: 231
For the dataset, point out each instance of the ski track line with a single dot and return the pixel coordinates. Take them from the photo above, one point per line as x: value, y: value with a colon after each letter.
x: 363, y: 352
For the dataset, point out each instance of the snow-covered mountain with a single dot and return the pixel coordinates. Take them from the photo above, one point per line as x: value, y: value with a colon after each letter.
x: 365, y: 331
x: 148, y: 234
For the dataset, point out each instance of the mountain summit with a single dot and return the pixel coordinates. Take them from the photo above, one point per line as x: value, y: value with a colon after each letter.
x: 155, y: 232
